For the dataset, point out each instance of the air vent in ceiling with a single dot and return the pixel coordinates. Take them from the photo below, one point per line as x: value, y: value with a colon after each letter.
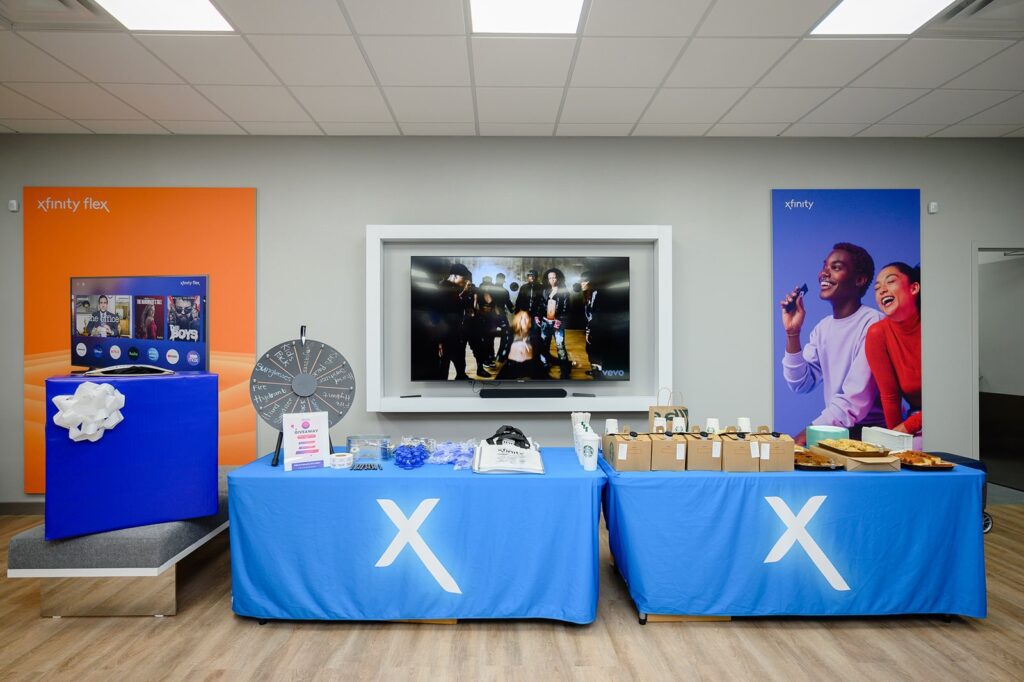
x: 56, y: 14
x: 979, y: 19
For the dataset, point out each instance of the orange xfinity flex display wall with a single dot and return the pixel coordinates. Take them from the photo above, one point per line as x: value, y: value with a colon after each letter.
x: 136, y: 231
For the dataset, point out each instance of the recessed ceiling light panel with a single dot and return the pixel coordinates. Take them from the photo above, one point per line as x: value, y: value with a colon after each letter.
x: 166, y: 15
x: 879, y: 17
x: 525, y: 16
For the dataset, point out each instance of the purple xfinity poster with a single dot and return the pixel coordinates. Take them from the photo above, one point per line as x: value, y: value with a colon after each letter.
x: 846, y: 297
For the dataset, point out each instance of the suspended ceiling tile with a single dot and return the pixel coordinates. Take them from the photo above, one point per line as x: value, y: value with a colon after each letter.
x: 929, y: 62
x: 338, y: 104
x: 22, y: 61
x: 1010, y: 111
x: 726, y: 62
x: 518, y: 105
x: 334, y: 128
x: 691, y: 105
x: 275, y: 16
x: 416, y: 60
x: 255, y: 102
x: 431, y: 105
x: 16, y: 106
x: 593, y: 129
x: 948, y: 106
x: 993, y: 130
x: 823, y: 130
x: 776, y: 18
x: 280, y: 127
x: 170, y: 102
x: 103, y: 56
x: 439, y: 129
x: 644, y: 17
x: 522, y: 61
x: 124, y: 127
x: 1005, y: 71
x: 824, y: 62
x: 517, y: 129
x: 211, y: 60
x: 671, y: 129
x: 314, y: 60
x: 202, y: 127
x: 624, y: 62
x: 605, y: 105
x: 862, y: 105
x: 899, y: 130
x: 746, y: 130
x: 407, y: 17
x: 77, y: 100
x: 763, y: 105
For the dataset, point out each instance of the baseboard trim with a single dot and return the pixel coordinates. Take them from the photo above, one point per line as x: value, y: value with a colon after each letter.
x: 22, y: 508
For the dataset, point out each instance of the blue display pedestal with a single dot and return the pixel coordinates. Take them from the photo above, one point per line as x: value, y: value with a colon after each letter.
x: 159, y: 464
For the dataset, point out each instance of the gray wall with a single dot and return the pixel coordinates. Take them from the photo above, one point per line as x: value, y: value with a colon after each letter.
x: 315, y: 195
x: 1001, y: 326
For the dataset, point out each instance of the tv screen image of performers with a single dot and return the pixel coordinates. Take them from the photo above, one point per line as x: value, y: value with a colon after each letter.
x: 160, y: 321
x: 519, y: 318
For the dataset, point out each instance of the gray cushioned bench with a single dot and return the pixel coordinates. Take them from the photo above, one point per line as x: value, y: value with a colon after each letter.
x: 119, y: 572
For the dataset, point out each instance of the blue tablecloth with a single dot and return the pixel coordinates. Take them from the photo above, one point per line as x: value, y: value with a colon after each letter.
x: 800, y: 543
x: 326, y: 544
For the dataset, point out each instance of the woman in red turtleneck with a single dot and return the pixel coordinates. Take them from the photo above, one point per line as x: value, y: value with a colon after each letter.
x: 893, y: 345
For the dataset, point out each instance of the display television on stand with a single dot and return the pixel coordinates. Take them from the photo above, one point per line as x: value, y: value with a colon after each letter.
x: 519, y: 318
x: 160, y: 321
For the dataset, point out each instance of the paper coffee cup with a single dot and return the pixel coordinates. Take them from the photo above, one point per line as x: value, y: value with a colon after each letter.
x: 743, y: 424
x: 711, y: 425
x: 611, y: 425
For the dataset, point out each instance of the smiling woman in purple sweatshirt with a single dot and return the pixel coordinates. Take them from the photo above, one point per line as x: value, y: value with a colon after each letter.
x: 834, y: 354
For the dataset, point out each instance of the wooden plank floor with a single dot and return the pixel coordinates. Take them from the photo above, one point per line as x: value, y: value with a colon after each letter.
x: 206, y: 641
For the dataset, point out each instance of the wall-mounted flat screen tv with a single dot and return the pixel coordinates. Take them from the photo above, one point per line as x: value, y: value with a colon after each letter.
x: 520, y: 318
x: 160, y: 321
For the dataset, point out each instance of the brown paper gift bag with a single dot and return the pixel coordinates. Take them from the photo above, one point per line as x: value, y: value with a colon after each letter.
x: 668, y: 410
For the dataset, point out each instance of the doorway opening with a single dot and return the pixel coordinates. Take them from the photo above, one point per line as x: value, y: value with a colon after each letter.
x: 1001, y: 363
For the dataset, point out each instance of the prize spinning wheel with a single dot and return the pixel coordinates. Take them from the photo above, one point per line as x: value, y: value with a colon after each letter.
x: 301, y: 375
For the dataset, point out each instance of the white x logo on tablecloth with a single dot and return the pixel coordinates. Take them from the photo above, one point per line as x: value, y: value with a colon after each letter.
x: 408, y: 534
x: 796, y: 531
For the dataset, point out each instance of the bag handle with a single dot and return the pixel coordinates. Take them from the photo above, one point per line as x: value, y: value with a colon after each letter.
x: 670, y: 394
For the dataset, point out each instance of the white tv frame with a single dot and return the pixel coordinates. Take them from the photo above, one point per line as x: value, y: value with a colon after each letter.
x: 378, y: 236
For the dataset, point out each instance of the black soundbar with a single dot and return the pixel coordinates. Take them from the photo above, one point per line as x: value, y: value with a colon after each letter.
x: 522, y: 393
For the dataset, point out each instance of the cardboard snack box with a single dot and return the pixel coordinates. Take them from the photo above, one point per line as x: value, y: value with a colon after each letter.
x: 866, y: 464
x: 703, y: 454
x: 668, y: 452
x: 629, y: 454
x: 776, y: 454
x: 740, y: 453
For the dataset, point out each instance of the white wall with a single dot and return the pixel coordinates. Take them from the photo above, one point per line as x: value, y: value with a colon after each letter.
x: 315, y: 195
x: 1001, y: 326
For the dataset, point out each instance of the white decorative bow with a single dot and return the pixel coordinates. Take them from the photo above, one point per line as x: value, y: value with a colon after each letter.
x: 90, y: 411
